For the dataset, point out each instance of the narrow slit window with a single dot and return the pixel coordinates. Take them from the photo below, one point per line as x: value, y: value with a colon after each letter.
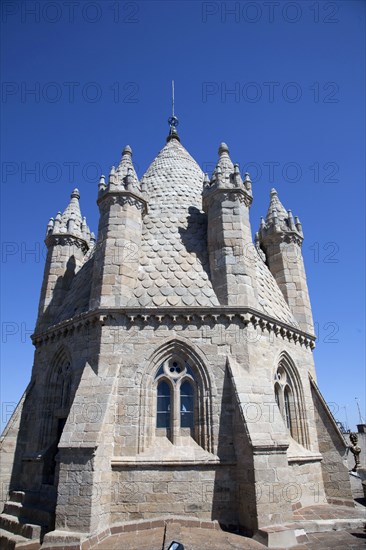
x: 287, y: 409
x: 163, y: 406
x: 277, y: 396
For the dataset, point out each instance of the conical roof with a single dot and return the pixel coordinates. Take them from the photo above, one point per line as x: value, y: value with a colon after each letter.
x: 71, y: 221
x: 72, y: 210
x: 126, y: 167
x: 276, y: 210
x: 224, y: 164
x: 174, y: 268
x: 173, y: 180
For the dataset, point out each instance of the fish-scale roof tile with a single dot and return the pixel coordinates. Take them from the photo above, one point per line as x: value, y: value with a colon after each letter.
x: 270, y: 297
x: 173, y: 233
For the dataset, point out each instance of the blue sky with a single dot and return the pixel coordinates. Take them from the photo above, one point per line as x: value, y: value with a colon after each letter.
x: 282, y: 83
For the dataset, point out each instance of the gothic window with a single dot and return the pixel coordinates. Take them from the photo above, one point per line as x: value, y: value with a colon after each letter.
x: 57, y: 399
x: 288, y: 395
x: 56, y: 409
x: 175, y: 398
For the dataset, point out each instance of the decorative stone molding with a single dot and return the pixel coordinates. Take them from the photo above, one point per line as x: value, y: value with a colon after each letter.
x: 123, y: 197
x: 245, y: 316
x: 269, y: 449
x: 135, y: 462
x: 236, y: 193
x: 292, y: 237
x: 287, y: 237
x: 66, y: 240
x: 300, y: 459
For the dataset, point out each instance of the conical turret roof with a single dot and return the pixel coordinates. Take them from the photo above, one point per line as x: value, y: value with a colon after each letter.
x: 276, y: 209
x: 72, y: 211
x: 126, y: 168
x: 71, y: 221
x: 224, y: 165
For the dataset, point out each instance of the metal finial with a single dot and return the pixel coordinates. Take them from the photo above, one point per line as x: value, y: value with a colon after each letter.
x: 173, y: 120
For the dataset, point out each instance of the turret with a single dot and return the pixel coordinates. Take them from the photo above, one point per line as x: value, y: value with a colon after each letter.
x: 122, y: 206
x: 226, y: 201
x: 280, y: 237
x: 68, y: 239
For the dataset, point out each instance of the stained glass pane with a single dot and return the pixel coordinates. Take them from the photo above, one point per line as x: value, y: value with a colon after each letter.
x: 186, y: 405
x: 163, y: 406
x: 287, y: 408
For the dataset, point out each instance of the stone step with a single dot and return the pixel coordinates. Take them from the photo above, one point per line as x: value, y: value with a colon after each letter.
x: 26, y: 530
x: 24, y: 497
x: 323, y: 525
x: 30, y: 513
x: 35, y: 515
x: 9, y: 541
x: 17, y: 496
x: 12, y: 508
x: 32, y: 506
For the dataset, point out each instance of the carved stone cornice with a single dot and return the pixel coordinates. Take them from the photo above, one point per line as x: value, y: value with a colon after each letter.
x: 226, y: 194
x: 110, y: 198
x: 66, y: 240
x: 292, y: 237
x: 281, y: 236
x: 245, y: 317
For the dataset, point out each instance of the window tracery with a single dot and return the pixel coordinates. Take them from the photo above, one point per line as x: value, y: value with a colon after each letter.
x: 176, y: 392
x: 288, y: 395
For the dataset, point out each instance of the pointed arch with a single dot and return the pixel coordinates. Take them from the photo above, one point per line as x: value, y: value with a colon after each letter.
x: 57, y: 400
x: 289, y: 396
x: 59, y: 378
x: 56, y: 408
x: 177, y: 361
x: 181, y: 348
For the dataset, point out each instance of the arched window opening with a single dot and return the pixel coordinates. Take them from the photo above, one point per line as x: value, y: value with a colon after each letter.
x: 177, y: 393
x: 163, y: 409
x: 289, y: 399
x: 186, y: 405
x: 191, y: 390
x: 57, y: 405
